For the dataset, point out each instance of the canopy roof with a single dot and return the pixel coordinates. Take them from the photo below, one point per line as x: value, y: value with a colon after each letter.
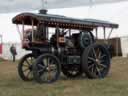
x: 7, y: 6
x: 60, y: 21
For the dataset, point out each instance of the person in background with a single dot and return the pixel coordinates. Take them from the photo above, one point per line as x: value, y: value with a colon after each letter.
x: 13, y: 52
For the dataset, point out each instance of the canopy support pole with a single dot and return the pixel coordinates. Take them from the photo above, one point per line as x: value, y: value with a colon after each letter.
x: 104, y: 30
x: 117, y: 45
x: 70, y: 32
x: 57, y: 35
x: 96, y: 33
x: 23, y: 28
x: 104, y: 33
x: 32, y: 31
x: 21, y: 38
x: 110, y: 33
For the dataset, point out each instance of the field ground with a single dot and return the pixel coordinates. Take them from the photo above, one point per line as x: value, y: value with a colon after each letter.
x: 116, y: 84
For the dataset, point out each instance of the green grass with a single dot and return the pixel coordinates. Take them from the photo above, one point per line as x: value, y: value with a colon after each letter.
x: 1, y: 59
x: 116, y: 84
x: 106, y: 87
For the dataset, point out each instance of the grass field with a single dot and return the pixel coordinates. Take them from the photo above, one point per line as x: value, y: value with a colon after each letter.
x: 116, y: 84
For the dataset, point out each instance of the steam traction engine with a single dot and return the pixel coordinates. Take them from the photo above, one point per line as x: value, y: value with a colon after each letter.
x: 61, y: 44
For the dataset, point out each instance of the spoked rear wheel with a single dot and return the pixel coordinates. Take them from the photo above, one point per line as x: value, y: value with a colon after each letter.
x: 96, y: 61
x: 46, y: 69
x: 25, y: 67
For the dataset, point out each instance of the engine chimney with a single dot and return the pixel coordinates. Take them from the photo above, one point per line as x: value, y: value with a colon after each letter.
x: 43, y: 11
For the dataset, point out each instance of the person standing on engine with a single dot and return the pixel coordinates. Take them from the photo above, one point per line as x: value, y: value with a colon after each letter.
x: 13, y: 52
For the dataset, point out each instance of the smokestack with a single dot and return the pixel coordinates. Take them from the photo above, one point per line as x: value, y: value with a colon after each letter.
x: 43, y: 11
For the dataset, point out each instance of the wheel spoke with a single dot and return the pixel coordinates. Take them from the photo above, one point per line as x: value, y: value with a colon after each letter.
x: 99, y: 55
x: 46, y: 76
x: 92, y: 59
x: 49, y: 72
x: 41, y: 70
x: 98, y: 70
x: 47, y: 61
x: 49, y: 76
x: 25, y: 65
x: 25, y: 69
x: 40, y: 65
x: 31, y: 75
x: 91, y: 66
x: 102, y: 56
x: 102, y: 61
x: 47, y: 64
x: 32, y: 59
x: 27, y: 62
x: 94, y: 52
x: 95, y: 69
x: 28, y: 74
x: 102, y: 65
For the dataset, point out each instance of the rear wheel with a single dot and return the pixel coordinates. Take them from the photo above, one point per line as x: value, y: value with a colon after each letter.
x: 25, y: 67
x: 46, y: 69
x: 96, y: 61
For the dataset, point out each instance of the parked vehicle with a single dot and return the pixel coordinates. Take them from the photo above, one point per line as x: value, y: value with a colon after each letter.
x: 70, y: 47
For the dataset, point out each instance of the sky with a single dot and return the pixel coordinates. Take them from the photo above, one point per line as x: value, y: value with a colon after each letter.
x: 20, y: 5
x: 116, y: 12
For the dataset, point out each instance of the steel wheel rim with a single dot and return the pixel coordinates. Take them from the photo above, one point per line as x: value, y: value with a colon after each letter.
x: 98, y: 62
x: 47, y: 69
x: 27, y: 67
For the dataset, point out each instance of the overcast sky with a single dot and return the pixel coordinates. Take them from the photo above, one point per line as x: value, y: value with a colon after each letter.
x: 116, y: 13
x: 20, y: 5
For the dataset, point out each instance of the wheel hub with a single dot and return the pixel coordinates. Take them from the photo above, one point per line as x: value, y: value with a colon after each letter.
x: 30, y: 67
x: 48, y: 69
x: 97, y: 61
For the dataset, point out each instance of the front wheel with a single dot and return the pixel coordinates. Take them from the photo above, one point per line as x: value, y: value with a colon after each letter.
x: 25, y: 67
x: 96, y: 61
x: 46, y: 69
